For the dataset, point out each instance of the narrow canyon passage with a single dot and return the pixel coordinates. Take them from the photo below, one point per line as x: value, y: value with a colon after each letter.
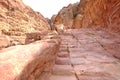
x: 87, y: 54
x: 70, y: 40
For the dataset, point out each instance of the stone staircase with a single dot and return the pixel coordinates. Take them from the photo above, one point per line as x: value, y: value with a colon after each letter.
x: 83, y: 56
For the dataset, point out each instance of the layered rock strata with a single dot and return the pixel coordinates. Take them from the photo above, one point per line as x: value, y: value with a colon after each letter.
x: 18, y: 20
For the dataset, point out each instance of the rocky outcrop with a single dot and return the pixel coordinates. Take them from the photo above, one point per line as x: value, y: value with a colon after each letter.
x: 4, y: 41
x: 71, y: 16
x: 17, y: 19
x: 66, y: 16
x: 77, y: 22
x: 81, y: 6
x: 29, y: 62
x: 102, y: 13
x: 53, y: 18
x: 91, y: 13
x: 50, y: 23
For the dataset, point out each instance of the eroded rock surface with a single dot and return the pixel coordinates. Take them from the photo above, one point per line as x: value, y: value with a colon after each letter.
x: 29, y: 62
x: 17, y: 19
x: 102, y: 13
x: 84, y: 54
x: 91, y: 13
x: 66, y: 16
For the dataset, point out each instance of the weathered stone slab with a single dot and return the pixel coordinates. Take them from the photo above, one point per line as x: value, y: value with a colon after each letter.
x: 28, y: 62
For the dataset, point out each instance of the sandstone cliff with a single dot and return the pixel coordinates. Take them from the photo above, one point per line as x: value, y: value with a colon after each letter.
x: 66, y: 16
x: 17, y: 19
x: 102, y: 13
x: 91, y: 13
x: 71, y: 16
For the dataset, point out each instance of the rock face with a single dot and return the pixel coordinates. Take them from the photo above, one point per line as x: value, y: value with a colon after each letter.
x: 91, y: 13
x: 4, y: 41
x: 17, y: 19
x: 29, y: 62
x: 71, y: 16
x: 77, y: 22
x: 66, y: 16
x: 15, y: 16
x: 102, y: 13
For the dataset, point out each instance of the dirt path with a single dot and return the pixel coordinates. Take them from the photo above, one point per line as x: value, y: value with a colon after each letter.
x: 87, y: 54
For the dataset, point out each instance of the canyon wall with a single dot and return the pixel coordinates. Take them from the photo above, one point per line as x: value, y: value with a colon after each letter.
x: 20, y: 23
x: 66, y: 16
x: 91, y: 13
x: 102, y: 13
x: 15, y: 16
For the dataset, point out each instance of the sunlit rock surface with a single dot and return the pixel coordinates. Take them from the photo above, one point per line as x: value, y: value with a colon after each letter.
x: 102, y: 13
x: 17, y: 19
x: 66, y: 16
x: 91, y: 13
x: 27, y: 62
x: 84, y: 54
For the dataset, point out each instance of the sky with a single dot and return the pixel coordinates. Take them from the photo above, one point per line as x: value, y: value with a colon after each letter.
x: 48, y: 7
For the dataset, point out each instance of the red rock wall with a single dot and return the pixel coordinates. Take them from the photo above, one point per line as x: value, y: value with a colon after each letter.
x: 66, y: 16
x: 15, y: 17
x: 94, y: 13
x: 102, y: 13
x: 18, y: 20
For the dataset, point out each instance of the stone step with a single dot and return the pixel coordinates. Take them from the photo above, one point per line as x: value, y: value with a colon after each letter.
x: 63, y: 54
x: 63, y: 70
x: 78, y: 61
x: 95, y: 76
x: 62, y: 61
x: 82, y: 57
x: 62, y: 49
x: 59, y: 77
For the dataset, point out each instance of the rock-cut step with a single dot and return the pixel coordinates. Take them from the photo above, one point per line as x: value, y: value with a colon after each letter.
x: 63, y: 70
x: 62, y: 77
x: 83, y: 57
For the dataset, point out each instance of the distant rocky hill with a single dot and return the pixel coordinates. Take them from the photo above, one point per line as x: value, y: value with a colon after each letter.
x: 20, y: 21
x: 66, y: 15
x: 90, y: 13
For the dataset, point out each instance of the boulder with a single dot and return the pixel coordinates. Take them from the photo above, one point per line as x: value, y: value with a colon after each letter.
x: 60, y: 28
x: 29, y: 62
x: 4, y: 41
